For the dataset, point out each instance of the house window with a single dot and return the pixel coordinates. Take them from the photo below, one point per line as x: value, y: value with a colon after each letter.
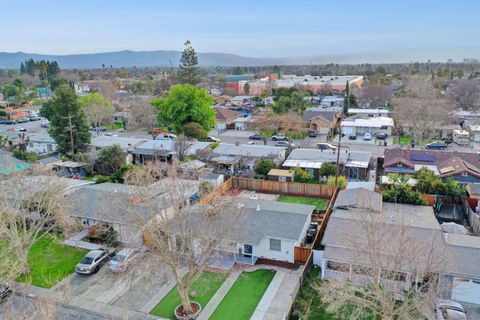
x: 275, y: 245
x: 30, y: 144
x: 309, y: 171
x: 464, y: 174
x: 49, y: 147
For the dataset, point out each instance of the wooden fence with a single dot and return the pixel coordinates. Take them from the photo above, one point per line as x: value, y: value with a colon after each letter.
x: 224, y: 188
x: 473, y: 220
x: 290, y: 188
x: 302, y: 254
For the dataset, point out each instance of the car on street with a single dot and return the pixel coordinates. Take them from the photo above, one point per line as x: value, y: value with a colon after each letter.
x: 157, y: 131
x: 284, y: 144
x: 312, y: 133
x: 436, y: 146
x: 9, y: 122
x: 5, y: 291
x: 20, y: 129
x: 450, y: 310
x: 213, y: 139
x: 23, y: 120
x: 34, y: 118
x: 120, y: 262
x: 325, y: 146
x: 381, y: 136
x: 367, y: 136
x: 256, y: 136
x: 352, y: 136
x: 93, y: 260
x: 99, y: 129
x: 279, y: 137
x: 166, y: 136
x: 45, y: 124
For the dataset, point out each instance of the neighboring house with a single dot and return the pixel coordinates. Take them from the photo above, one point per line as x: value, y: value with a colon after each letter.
x: 226, y: 118
x: 121, y: 206
x: 269, y: 230
x: 244, y: 123
x: 461, y: 166
x: 280, y: 175
x: 126, y: 144
x: 345, y: 259
x: 438, y: 131
x: 371, y: 113
x: 320, y: 120
x: 9, y: 164
x: 354, y: 165
x: 71, y: 169
x: 150, y: 150
x: 241, y: 100
x: 360, y: 125
x: 474, y: 130
x: 41, y: 143
x: 243, y: 157
x: 332, y: 101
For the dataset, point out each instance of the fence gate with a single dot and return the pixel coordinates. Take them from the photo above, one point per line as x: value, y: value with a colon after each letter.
x: 317, y: 257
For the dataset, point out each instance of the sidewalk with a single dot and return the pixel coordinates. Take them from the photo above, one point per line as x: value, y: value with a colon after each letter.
x: 76, y: 241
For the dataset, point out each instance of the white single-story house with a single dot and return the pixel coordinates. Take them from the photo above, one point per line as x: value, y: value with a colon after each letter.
x: 474, y: 130
x: 413, y: 230
x: 127, y: 144
x: 243, y: 123
x: 371, y: 113
x: 41, y: 143
x: 362, y: 125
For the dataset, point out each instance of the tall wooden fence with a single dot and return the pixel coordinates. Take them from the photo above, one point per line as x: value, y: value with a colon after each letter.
x: 290, y: 188
x: 473, y: 220
x: 224, y: 188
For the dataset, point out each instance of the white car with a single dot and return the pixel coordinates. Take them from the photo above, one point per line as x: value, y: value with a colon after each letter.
x: 284, y: 144
x: 20, y: 129
x: 450, y: 310
x: 93, y: 260
x: 279, y: 137
x: 367, y: 136
x: 120, y: 262
x: 213, y: 139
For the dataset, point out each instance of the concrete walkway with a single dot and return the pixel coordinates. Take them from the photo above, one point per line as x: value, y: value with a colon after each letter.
x: 284, y: 297
x: 76, y: 241
x: 218, y: 296
x: 268, y: 296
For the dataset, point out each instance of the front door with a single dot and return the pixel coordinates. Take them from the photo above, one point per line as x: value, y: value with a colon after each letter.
x: 247, y: 250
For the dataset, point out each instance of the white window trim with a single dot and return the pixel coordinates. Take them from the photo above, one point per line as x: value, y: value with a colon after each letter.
x: 280, y: 242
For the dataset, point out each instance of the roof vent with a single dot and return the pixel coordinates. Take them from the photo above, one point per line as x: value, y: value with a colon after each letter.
x: 258, y: 207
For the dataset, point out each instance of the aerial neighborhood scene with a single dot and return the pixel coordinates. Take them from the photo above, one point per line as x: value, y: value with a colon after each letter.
x: 264, y: 160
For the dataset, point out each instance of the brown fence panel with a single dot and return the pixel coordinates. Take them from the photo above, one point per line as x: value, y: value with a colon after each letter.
x: 323, y: 225
x: 291, y: 188
x: 224, y: 188
x: 301, y: 254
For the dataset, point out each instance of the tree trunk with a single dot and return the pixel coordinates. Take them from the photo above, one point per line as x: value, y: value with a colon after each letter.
x: 187, y: 307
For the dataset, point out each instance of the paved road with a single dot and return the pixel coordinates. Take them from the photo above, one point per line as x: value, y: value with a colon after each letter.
x: 32, y: 127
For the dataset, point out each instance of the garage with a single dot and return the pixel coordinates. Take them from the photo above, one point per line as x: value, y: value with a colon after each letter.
x: 466, y: 290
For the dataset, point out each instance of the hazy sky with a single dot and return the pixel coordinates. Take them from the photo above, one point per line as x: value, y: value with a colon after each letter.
x: 254, y: 28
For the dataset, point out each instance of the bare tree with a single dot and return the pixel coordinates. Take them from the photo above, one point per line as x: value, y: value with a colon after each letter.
x: 374, y: 95
x: 181, y: 146
x: 465, y: 93
x: 393, y: 270
x: 143, y: 114
x: 184, y: 237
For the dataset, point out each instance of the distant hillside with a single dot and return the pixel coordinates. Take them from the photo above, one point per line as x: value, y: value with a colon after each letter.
x: 163, y: 58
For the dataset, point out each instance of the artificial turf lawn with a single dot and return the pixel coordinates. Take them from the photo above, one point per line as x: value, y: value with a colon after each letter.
x: 243, y: 297
x: 50, y: 262
x: 205, y: 287
x: 319, y: 203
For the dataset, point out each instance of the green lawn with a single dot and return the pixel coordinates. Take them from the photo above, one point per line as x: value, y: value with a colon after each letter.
x: 403, y: 140
x: 113, y: 126
x: 243, y: 297
x: 202, y: 291
x: 319, y: 203
x: 50, y: 262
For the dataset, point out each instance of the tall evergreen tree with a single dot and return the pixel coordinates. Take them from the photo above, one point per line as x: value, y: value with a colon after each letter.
x: 346, y: 102
x: 68, y: 123
x: 188, y: 72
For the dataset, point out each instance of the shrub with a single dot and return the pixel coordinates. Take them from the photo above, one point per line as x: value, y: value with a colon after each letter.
x: 195, y: 130
x: 263, y: 167
x: 300, y: 175
x: 25, y: 155
x: 341, y: 182
x: 400, y: 192
x: 327, y: 169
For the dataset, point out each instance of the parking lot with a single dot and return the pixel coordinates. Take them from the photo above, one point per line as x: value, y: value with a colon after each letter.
x: 31, y: 126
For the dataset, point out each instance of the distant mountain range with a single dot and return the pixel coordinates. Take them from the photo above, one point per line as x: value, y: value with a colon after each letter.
x: 167, y: 58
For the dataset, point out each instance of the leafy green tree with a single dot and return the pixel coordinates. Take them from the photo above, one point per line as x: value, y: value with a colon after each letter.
x: 300, y: 175
x: 263, y: 167
x: 188, y: 72
x: 282, y: 105
x: 195, y: 130
x: 400, y: 192
x: 327, y: 170
x: 97, y: 108
x: 110, y: 159
x: 185, y: 104
x: 46, y: 110
x: 68, y: 123
x: 341, y: 182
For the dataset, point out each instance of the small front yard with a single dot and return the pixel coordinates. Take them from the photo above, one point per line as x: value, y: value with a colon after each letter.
x: 50, y: 262
x: 320, y: 204
x: 202, y: 291
x: 243, y: 297
x: 403, y: 140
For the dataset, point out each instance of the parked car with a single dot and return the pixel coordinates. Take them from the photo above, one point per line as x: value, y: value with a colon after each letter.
x: 450, y: 310
x: 279, y: 137
x: 284, y: 144
x: 436, y: 146
x: 312, y: 133
x: 23, y: 120
x: 352, y: 136
x: 20, y: 129
x: 213, y: 139
x: 381, y: 136
x: 166, y: 136
x: 256, y: 136
x: 157, y: 131
x: 5, y: 291
x: 120, y: 262
x: 45, y: 124
x: 9, y: 122
x: 34, y: 118
x: 325, y: 146
x: 93, y: 260
x: 99, y: 129
x: 367, y: 136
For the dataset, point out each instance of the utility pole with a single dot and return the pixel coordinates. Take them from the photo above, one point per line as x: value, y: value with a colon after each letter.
x: 70, y: 129
x: 344, y: 114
